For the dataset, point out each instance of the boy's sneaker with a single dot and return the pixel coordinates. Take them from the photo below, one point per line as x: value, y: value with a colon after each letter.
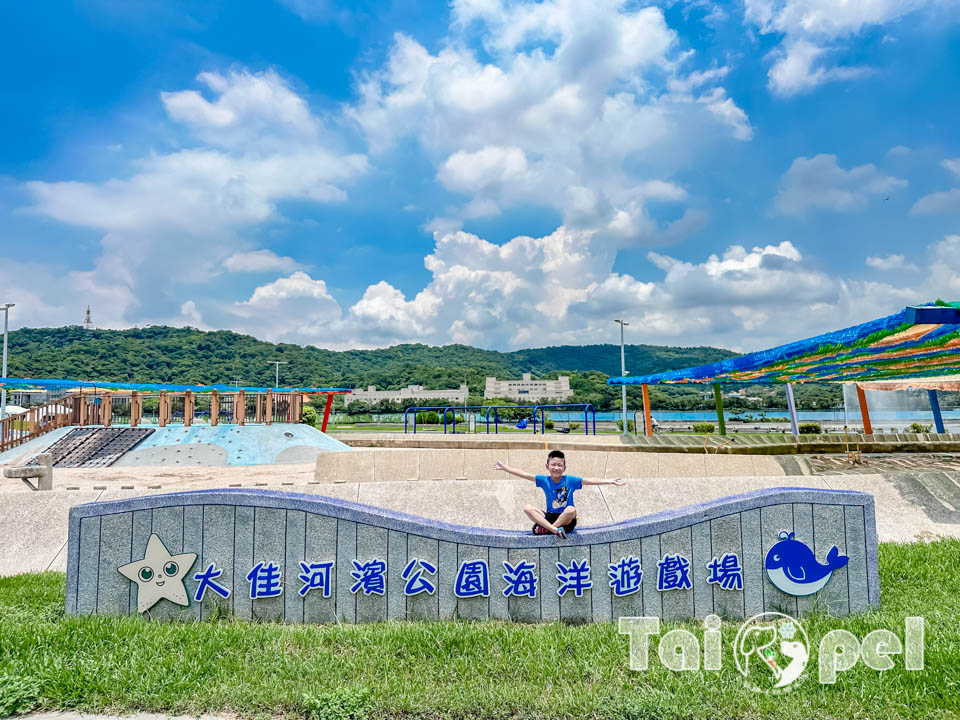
x: 561, y: 533
x: 540, y: 530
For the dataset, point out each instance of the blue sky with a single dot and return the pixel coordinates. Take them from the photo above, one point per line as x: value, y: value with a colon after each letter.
x: 503, y: 174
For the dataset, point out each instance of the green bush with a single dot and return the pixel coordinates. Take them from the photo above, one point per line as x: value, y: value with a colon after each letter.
x: 342, y: 704
x: 310, y: 416
x: 631, y: 425
x: 549, y: 423
x: 811, y: 428
x: 918, y: 428
x: 703, y: 427
x: 429, y: 417
x: 18, y: 694
x: 574, y: 426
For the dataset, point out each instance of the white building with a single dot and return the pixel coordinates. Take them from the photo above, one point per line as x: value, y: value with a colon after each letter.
x: 454, y: 396
x: 27, y: 398
x: 528, y: 389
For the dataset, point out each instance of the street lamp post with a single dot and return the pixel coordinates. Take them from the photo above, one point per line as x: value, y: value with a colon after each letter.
x: 3, y: 393
x: 276, y: 366
x: 623, y: 373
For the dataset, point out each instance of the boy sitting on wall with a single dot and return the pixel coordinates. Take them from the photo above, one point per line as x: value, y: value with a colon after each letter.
x: 561, y: 514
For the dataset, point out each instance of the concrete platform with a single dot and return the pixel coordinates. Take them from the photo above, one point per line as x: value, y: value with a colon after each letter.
x: 429, y: 464
x: 732, y: 444
x: 913, y: 506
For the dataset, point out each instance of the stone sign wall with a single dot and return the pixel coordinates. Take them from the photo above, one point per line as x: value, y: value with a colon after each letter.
x: 302, y: 558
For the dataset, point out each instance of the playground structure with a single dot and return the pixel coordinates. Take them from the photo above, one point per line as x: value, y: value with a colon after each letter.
x: 588, y: 413
x: 104, y: 404
x: 917, y: 348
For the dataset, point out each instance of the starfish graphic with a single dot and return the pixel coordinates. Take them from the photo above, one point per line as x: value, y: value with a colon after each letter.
x: 159, y: 575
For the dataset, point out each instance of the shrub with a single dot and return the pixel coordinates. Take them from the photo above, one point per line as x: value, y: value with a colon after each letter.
x: 429, y: 417
x: 310, y: 416
x: 18, y: 694
x: 811, y: 428
x: 549, y: 423
x: 918, y: 428
x: 631, y: 425
x: 703, y: 427
x: 574, y: 426
x: 341, y: 704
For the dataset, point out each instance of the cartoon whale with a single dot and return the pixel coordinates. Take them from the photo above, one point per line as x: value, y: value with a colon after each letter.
x: 793, y: 568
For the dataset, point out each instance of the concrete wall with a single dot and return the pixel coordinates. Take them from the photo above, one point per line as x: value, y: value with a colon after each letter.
x: 237, y: 529
x: 391, y: 464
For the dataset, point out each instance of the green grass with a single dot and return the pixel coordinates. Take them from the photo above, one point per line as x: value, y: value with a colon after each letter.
x: 456, y: 669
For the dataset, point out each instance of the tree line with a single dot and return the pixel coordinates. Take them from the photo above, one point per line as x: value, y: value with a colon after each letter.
x: 190, y: 356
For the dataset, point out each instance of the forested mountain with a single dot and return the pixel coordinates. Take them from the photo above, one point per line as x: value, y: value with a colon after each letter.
x: 189, y: 356
x: 185, y: 355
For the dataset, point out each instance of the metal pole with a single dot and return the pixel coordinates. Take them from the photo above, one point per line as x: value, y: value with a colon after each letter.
x: 718, y: 400
x: 934, y: 406
x: 276, y: 366
x: 792, y: 409
x: 623, y: 373
x: 3, y: 394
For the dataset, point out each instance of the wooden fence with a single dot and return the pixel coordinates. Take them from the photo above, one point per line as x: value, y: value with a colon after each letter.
x: 18, y: 429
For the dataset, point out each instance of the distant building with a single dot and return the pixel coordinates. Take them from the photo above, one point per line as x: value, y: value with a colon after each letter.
x: 528, y: 389
x: 27, y: 398
x: 454, y: 396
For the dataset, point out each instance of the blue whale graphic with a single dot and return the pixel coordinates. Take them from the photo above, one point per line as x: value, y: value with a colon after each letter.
x: 793, y: 568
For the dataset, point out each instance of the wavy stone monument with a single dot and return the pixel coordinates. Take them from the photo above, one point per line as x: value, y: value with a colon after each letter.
x: 302, y: 558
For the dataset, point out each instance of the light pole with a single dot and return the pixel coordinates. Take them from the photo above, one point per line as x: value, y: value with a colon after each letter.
x: 276, y: 366
x: 3, y: 393
x: 623, y: 373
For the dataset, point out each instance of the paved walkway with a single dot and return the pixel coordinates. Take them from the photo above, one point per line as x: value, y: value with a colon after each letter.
x: 911, y: 506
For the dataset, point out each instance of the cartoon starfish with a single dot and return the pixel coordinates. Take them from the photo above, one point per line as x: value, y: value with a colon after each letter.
x: 159, y: 575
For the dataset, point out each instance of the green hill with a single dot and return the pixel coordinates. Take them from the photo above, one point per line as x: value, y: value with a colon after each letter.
x: 185, y: 355
x: 189, y: 356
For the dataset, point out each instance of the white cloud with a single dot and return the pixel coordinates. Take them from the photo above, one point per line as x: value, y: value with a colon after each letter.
x: 946, y: 202
x: 938, y: 203
x: 568, y: 92
x: 890, y: 262
x: 819, y: 183
x: 796, y: 69
x: 476, y: 171
x: 248, y: 107
x: 814, y: 30
x: 290, y: 309
x: 259, y: 261
x: 174, y: 218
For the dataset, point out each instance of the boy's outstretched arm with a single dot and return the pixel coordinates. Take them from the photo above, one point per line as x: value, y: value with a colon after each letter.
x: 513, y: 471
x: 602, y: 481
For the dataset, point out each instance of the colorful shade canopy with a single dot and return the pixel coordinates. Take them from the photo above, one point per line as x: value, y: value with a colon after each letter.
x: 918, y: 342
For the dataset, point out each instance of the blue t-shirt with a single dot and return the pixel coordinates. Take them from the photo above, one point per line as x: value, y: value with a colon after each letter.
x: 559, y: 495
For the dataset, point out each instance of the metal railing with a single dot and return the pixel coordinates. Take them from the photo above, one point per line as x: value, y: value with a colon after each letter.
x: 587, y: 410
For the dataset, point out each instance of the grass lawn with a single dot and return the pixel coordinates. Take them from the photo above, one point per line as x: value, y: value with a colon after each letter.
x: 456, y: 669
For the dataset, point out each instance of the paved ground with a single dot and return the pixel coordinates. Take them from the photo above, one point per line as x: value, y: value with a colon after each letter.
x: 872, y: 464
x: 912, y: 504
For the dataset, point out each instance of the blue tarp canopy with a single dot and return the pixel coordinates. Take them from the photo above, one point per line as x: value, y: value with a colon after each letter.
x: 154, y: 387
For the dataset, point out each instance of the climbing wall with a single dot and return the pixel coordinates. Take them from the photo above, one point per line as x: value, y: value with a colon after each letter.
x: 95, y: 447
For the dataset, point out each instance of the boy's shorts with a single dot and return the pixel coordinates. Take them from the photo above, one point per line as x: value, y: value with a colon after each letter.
x: 552, y: 517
